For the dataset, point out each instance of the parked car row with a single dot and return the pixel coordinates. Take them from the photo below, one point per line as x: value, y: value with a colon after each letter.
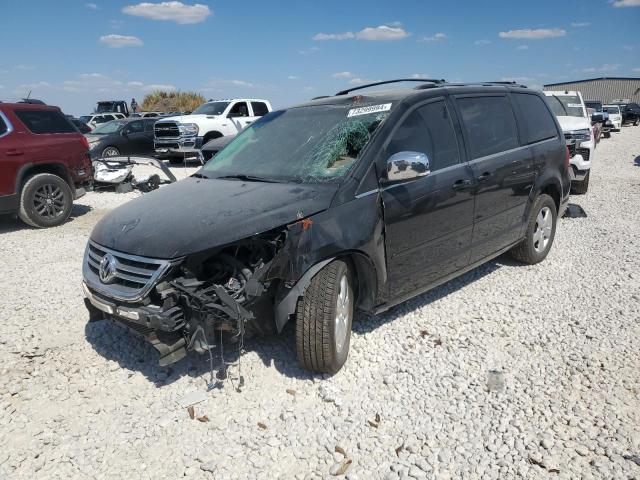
x: 584, y: 123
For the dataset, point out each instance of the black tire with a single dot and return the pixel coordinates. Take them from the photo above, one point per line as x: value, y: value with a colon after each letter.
x: 580, y: 188
x: 531, y: 250
x: 173, y: 160
x: 45, y: 201
x: 607, y: 134
x: 317, y: 347
x: 110, y: 152
x: 636, y: 122
x: 211, y: 136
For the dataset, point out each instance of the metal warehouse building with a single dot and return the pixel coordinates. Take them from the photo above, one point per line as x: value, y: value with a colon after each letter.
x: 605, y: 89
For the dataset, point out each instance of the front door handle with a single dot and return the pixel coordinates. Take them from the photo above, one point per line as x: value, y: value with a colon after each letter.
x: 484, y: 177
x: 462, y: 184
x: 14, y: 152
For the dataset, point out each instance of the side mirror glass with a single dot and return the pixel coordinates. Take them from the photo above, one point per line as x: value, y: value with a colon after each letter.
x: 403, y: 166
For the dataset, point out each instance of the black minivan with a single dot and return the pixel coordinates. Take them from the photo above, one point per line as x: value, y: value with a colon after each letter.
x: 355, y: 201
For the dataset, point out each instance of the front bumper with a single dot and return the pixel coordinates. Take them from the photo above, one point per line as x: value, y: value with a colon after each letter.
x: 177, y: 145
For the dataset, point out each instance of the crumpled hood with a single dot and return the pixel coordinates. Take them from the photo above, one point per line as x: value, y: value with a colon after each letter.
x: 197, y: 214
x: 574, y: 123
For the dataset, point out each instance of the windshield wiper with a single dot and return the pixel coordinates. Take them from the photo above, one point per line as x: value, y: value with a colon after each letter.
x: 200, y: 175
x: 249, y: 178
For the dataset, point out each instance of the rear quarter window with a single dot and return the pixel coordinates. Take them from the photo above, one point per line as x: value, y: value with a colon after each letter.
x: 45, y: 121
x: 489, y: 124
x: 535, y: 119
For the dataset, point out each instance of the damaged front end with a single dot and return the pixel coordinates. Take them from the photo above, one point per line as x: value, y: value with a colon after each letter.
x: 190, y: 303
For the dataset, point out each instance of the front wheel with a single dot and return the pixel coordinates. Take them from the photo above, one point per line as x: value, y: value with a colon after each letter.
x: 110, y: 152
x: 45, y: 201
x: 324, y: 316
x: 540, y: 232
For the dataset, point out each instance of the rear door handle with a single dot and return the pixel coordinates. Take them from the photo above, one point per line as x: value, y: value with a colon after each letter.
x: 485, y: 176
x: 462, y: 184
x: 14, y: 152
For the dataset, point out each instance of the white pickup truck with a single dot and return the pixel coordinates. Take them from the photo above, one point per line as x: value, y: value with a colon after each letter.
x: 184, y: 135
x: 572, y: 115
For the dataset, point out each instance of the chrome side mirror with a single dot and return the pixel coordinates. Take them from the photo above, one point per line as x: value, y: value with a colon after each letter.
x: 404, y: 166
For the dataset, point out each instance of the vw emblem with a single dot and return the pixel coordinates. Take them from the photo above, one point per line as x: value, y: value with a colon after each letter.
x: 107, y: 269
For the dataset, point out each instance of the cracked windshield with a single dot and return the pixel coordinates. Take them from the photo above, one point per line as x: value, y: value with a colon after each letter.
x: 306, y: 145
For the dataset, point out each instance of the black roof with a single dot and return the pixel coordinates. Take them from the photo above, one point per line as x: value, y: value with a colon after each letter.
x: 346, y: 96
x: 637, y: 79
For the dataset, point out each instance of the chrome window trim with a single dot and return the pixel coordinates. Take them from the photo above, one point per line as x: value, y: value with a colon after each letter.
x: 7, y: 123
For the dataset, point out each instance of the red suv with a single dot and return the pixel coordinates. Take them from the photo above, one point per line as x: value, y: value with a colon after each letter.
x: 44, y: 161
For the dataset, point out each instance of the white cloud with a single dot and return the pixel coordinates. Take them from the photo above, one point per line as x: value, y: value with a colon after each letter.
x: 1, y: 87
x: 522, y: 47
x: 158, y: 86
x: 92, y: 6
x: 534, y: 34
x: 34, y: 86
x: 626, y: 3
x: 343, y: 75
x: 116, y: 24
x: 380, y: 33
x: 482, y: 42
x: 293, y: 77
x: 636, y: 70
x: 219, y: 85
x: 607, y: 67
x: 308, y: 51
x: 580, y: 24
x: 420, y: 75
x: 628, y: 48
x: 361, y: 81
x: 135, y: 84
x: 119, y: 41
x: 173, y: 11
x: 438, y: 37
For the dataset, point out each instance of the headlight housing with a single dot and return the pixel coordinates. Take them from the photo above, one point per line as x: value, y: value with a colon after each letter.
x: 581, y: 135
x: 189, y: 129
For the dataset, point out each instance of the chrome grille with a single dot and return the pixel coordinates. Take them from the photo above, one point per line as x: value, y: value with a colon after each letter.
x: 166, y: 130
x: 134, y: 276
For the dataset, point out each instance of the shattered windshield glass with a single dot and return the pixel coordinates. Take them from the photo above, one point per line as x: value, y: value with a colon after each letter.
x: 306, y: 144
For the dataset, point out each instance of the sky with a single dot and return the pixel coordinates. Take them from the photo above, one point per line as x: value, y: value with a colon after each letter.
x: 73, y: 53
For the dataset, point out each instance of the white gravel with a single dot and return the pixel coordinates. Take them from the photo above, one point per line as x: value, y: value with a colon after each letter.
x: 88, y: 401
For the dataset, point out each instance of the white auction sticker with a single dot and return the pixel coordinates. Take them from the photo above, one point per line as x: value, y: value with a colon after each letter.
x: 574, y: 105
x: 354, y: 112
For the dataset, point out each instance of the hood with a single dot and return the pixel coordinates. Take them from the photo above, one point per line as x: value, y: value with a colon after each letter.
x: 187, y: 118
x: 196, y: 214
x: 574, y: 123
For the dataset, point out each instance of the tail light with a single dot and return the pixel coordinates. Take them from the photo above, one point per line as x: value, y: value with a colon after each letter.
x: 84, y: 142
x: 567, y: 158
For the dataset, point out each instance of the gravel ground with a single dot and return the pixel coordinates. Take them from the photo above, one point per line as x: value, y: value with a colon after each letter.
x: 82, y: 400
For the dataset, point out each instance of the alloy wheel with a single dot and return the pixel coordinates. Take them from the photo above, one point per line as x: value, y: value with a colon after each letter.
x: 343, y: 313
x: 48, y: 201
x: 542, y: 230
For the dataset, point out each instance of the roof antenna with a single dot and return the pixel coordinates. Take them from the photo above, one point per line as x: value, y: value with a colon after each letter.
x: 29, y: 95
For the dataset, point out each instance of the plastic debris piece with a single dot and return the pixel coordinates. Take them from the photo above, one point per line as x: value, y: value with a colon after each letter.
x: 192, y: 398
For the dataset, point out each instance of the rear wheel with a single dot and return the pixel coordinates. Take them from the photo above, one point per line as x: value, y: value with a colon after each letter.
x: 45, y: 201
x: 541, y: 230
x: 636, y: 122
x: 581, y: 187
x: 324, y: 316
x: 110, y: 152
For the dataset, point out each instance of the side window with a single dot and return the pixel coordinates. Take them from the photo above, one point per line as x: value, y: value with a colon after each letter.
x: 3, y: 127
x: 240, y: 109
x: 259, y: 109
x: 534, y: 118
x: 489, y: 124
x: 148, y: 125
x: 428, y: 129
x: 45, y: 121
x: 135, y: 127
x: 108, y: 118
x: 99, y: 119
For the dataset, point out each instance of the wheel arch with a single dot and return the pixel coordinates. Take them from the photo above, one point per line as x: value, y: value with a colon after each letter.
x: 365, y: 278
x: 30, y: 169
x: 211, y: 135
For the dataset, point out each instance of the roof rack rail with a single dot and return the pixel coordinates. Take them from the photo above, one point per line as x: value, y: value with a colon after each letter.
x: 423, y: 80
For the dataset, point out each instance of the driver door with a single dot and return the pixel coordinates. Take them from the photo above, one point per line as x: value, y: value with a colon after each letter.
x: 428, y: 220
x: 136, y: 140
